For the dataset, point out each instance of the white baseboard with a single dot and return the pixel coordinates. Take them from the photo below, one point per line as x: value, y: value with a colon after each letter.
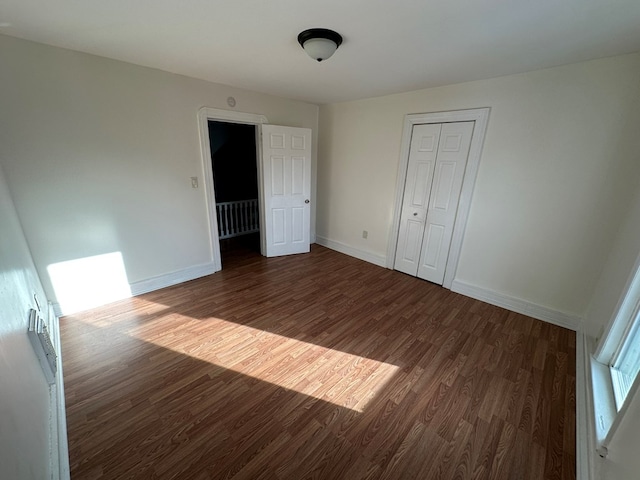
x: 161, y: 281
x: 173, y: 278
x: 374, y: 258
x: 566, y: 320
x: 59, y: 451
x: 57, y: 309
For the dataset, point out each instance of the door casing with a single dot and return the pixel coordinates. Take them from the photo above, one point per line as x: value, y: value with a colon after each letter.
x: 481, y: 117
x: 204, y: 115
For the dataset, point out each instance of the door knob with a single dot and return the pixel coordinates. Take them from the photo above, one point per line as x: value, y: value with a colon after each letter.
x: 306, y: 201
x: 415, y: 214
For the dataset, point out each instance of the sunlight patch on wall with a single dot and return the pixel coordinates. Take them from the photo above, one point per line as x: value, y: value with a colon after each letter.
x: 342, y: 378
x: 89, y: 282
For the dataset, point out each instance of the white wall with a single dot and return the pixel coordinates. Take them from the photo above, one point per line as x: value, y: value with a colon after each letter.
x: 558, y: 167
x: 24, y: 392
x: 618, y: 269
x: 99, y: 154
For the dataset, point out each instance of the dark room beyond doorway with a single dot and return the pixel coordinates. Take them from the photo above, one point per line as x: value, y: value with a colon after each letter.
x: 235, y: 179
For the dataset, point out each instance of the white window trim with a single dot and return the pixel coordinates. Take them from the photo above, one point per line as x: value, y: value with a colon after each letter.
x: 605, y: 381
x: 609, y: 345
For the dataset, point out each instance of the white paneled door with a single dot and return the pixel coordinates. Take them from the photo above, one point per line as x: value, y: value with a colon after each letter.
x: 437, y: 160
x: 286, y: 189
x: 417, y: 189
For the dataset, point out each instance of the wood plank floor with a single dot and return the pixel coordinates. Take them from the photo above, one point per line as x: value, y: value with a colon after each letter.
x: 316, y: 366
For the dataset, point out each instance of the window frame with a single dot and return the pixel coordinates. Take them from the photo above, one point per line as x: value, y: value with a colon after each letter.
x: 608, y: 383
x: 622, y: 379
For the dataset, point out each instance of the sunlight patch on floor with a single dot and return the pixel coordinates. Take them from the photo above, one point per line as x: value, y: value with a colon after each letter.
x: 335, y: 376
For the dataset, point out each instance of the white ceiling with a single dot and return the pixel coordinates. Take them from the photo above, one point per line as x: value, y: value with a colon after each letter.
x: 388, y: 46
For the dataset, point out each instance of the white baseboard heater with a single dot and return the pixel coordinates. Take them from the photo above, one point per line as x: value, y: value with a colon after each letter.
x: 43, y: 345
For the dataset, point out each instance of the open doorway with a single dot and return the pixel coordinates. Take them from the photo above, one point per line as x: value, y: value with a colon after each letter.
x: 281, y: 164
x: 235, y: 180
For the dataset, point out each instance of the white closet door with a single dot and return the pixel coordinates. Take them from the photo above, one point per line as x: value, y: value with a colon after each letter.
x: 286, y: 189
x: 450, y: 164
x: 417, y: 189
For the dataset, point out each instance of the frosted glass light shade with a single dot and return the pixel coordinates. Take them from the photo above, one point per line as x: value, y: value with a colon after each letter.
x: 320, y: 48
x: 319, y: 43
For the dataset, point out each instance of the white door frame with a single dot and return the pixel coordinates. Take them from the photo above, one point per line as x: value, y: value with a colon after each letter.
x: 480, y: 116
x: 204, y: 115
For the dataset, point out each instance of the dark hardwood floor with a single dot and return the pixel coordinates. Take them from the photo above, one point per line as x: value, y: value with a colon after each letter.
x: 316, y: 366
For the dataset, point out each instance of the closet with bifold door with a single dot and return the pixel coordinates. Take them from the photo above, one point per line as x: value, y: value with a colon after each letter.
x: 437, y: 160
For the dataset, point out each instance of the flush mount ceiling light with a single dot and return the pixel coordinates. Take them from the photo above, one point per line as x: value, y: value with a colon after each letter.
x: 319, y: 43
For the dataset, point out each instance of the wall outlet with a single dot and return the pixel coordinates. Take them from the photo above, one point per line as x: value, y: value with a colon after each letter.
x: 365, y: 234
